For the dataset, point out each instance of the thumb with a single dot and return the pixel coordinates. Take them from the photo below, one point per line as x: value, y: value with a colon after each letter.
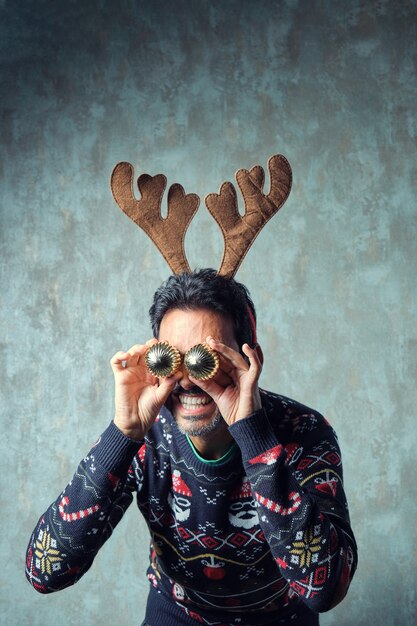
x: 213, y: 389
x: 166, y: 386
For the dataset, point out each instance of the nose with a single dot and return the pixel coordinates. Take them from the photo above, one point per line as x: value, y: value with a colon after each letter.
x: 184, y: 381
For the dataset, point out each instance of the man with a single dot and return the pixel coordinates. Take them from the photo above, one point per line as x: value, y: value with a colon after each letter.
x: 241, y: 488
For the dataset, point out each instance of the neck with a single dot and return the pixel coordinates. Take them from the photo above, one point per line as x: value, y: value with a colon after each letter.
x: 213, y: 446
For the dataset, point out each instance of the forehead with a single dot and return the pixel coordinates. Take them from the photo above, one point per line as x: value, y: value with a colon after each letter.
x: 185, y: 328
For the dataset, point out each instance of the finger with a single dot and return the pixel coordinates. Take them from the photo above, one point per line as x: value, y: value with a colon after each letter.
x: 225, y: 374
x: 211, y: 387
x: 255, y: 366
x: 231, y: 355
x: 122, y: 359
x: 135, y: 353
x: 138, y: 348
x: 118, y: 359
x: 165, y: 387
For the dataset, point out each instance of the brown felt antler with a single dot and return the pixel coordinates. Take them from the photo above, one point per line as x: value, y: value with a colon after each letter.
x: 239, y: 232
x: 167, y: 233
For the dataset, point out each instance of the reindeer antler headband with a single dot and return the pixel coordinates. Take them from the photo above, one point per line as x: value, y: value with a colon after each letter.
x: 239, y: 232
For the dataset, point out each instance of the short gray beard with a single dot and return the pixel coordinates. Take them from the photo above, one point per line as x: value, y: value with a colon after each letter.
x: 201, y: 431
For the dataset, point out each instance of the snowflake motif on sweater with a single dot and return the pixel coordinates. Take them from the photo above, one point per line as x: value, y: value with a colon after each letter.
x: 262, y: 537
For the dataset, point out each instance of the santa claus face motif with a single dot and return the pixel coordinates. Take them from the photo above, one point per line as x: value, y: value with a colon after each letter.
x: 180, y: 506
x: 179, y: 498
x: 243, y: 514
x: 242, y: 511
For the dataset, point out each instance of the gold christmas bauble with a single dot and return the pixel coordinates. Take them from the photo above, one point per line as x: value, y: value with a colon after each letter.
x: 201, y: 362
x: 162, y: 359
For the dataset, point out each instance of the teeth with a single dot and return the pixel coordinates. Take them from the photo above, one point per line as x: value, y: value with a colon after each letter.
x: 188, y: 401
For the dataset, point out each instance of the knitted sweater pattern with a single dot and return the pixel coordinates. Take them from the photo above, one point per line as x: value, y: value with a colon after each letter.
x: 260, y: 537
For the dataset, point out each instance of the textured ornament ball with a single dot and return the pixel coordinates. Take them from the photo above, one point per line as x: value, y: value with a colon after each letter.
x: 201, y: 362
x: 162, y: 360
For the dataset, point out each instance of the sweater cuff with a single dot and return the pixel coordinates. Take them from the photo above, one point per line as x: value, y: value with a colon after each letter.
x: 254, y: 434
x: 114, y: 451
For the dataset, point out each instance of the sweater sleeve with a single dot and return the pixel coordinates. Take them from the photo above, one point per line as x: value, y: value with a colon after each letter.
x: 69, y: 534
x: 302, y: 506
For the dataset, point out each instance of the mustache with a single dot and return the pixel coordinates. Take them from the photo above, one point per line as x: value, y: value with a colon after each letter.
x: 193, y: 391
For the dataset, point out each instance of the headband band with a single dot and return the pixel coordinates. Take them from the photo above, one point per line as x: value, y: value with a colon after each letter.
x: 253, y: 325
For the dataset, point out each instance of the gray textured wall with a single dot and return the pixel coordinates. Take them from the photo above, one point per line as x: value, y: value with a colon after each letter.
x: 197, y: 90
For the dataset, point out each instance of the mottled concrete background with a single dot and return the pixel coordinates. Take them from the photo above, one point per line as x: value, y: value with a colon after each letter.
x: 197, y: 90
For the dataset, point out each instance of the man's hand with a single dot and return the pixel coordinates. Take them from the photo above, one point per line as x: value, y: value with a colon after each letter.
x: 240, y: 397
x: 139, y: 396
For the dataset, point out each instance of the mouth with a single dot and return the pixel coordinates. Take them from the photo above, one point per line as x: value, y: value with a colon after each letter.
x: 193, y: 402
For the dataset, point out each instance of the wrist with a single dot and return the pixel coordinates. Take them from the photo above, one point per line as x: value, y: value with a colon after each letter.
x: 134, y: 432
x: 252, y: 405
x: 114, y: 451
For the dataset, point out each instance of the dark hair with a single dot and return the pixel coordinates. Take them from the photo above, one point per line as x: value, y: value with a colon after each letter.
x: 205, y: 289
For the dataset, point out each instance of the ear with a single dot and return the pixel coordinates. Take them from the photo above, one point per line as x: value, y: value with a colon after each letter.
x: 259, y: 352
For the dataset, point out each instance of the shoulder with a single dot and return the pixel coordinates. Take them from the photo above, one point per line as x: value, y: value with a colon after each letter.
x: 294, y: 421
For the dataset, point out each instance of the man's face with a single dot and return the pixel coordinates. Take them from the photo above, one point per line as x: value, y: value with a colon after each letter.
x: 195, y: 412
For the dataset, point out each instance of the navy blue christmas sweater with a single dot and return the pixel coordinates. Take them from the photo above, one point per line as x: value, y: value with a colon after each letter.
x: 261, y: 536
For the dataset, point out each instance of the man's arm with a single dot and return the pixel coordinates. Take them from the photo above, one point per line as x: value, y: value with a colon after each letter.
x: 307, y: 529
x: 69, y: 534
x: 302, y: 507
